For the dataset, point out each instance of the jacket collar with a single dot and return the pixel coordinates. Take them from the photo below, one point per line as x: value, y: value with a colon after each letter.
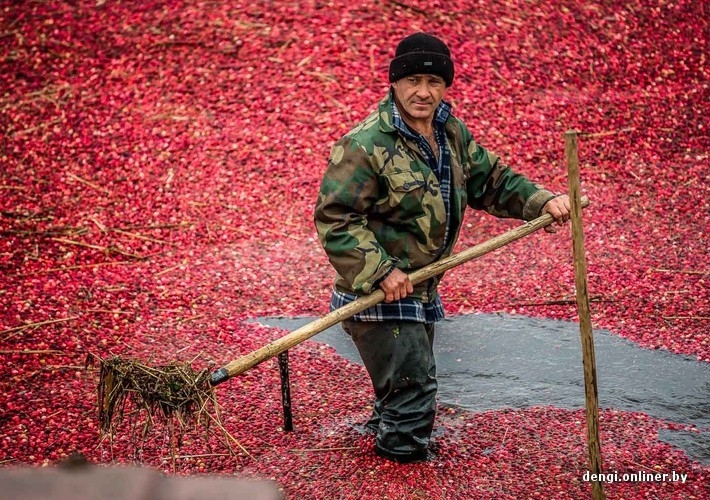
x: 384, y: 110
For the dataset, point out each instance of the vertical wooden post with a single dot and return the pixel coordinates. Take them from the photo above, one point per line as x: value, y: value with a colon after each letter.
x: 285, y: 391
x: 585, y: 323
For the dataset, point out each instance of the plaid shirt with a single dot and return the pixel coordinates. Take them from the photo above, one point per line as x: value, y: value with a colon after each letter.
x: 411, y: 309
x: 404, y: 310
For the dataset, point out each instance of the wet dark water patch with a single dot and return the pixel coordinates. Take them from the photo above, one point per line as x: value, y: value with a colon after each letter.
x: 494, y: 361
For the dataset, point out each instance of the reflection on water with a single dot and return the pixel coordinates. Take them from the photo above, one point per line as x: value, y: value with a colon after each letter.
x: 493, y: 361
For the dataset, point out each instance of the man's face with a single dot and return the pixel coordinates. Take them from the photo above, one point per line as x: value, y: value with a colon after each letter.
x: 419, y: 95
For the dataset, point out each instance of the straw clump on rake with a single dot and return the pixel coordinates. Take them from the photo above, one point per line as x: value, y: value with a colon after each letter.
x: 170, y: 393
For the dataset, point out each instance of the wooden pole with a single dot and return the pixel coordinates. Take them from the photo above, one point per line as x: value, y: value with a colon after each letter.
x: 284, y: 343
x: 285, y: 391
x: 585, y: 323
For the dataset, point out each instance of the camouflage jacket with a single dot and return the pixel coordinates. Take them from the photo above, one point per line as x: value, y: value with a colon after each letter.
x: 379, y: 204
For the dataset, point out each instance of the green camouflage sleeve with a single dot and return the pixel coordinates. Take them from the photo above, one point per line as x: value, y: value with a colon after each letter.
x: 349, y: 188
x: 495, y: 188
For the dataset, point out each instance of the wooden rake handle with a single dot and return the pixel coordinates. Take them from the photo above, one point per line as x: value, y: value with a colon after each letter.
x: 284, y: 343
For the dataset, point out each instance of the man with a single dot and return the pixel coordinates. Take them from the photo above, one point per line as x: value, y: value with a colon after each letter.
x: 392, y: 200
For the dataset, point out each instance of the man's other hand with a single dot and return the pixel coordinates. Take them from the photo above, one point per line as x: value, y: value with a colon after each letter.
x: 396, y: 286
x: 559, y: 209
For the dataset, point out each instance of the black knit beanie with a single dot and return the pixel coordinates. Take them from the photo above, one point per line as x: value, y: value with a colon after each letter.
x: 422, y: 53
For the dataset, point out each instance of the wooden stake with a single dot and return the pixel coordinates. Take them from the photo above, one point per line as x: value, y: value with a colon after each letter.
x: 585, y: 323
x: 285, y: 391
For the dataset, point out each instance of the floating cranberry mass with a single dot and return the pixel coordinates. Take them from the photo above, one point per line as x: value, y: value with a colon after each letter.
x: 159, y: 162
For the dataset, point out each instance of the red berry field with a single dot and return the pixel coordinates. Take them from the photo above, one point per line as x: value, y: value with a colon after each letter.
x: 159, y: 165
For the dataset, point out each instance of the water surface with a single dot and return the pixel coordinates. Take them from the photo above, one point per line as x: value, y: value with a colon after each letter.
x: 494, y: 361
